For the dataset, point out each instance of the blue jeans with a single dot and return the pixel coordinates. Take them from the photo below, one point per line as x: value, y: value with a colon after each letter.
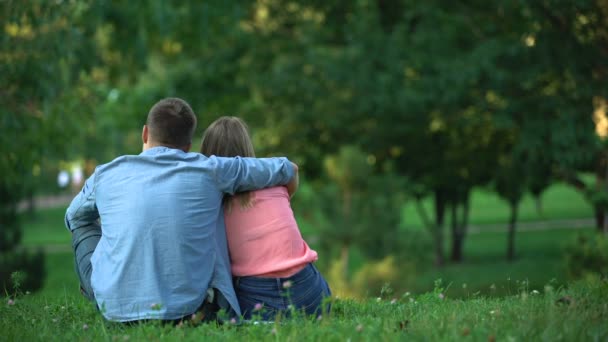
x: 84, y: 241
x: 307, y: 293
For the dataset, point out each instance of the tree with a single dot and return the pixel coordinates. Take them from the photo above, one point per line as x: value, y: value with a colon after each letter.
x: 351, y: 204
x: 510, y: 183
x: 34, y: 99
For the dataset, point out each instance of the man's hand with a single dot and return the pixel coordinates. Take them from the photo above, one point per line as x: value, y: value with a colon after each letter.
x: 293, y: 184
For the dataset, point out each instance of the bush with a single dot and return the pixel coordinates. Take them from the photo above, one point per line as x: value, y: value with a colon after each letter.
x: 587, y: 255
x: 21, y: 271
x: 382, y: 278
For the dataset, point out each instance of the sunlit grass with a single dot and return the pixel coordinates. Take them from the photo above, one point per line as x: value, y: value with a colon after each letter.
x: 539, y: 253
x: 484, y: 298
x: 558, y: 202
x: 539, y: 261
x: 576, y: 313
x: 45, y: 227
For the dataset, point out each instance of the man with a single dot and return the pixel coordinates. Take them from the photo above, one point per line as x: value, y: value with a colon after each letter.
x: 160, y: 250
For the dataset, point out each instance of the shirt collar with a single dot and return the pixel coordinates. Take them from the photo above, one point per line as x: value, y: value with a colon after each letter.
x: 158, y: 150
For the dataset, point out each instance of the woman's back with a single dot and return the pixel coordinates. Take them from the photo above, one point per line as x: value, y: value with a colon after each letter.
x: 272, y: 266
x: 264, y: 238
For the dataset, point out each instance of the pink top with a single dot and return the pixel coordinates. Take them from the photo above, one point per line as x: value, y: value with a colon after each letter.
x: 265, y: 240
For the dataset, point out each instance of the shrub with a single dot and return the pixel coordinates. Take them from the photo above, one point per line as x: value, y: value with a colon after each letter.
x: 382, y: 277
x: 588, y: 254
x: 21, y: 271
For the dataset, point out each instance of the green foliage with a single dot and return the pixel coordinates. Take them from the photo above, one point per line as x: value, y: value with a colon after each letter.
x: 353, y: 202
x: 42, y: 55
x: 14, y: 261
x: 597, y: 197
x: 374, y: 278
x: 421, y: 97
x: 445, y: 92
x: 10, y: 235
x: 21, y: 271
x: 44, y: 228
x: 588, y: 254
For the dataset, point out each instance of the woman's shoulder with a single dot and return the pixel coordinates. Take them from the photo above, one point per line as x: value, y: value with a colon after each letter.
x: 275, y: 191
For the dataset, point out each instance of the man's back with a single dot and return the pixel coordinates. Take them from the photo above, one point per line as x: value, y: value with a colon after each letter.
x: 163, y: 243
x: 158, y: 218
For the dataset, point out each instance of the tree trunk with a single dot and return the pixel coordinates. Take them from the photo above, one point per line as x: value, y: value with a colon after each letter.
x: 580, y: 186
x: 511, y: 234
x: 604, y: 223
x: 466, y: 206
x: 456, y: 235
x: 31, y: 204
x: 344, y: 256
x: 459, y: 226
x: 347, y: 198
x: 539, y: 204
x: 599, y: 217
x: 440, y: 202
x: 344, y: 252
x: 601, y: 172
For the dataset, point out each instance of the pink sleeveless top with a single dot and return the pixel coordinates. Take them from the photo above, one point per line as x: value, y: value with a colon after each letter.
x: 265, y: 240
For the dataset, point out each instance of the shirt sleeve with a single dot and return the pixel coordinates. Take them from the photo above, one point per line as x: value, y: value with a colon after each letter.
x: 244, y: 174
x: 83, y: 210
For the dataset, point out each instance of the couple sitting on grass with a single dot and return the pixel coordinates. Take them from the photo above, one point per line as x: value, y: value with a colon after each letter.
x: 171, y: 235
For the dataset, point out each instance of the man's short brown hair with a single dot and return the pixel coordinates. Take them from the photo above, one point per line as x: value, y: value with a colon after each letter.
x: 171, y: 122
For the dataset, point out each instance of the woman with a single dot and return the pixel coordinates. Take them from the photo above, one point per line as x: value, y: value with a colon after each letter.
x: 271, y: 263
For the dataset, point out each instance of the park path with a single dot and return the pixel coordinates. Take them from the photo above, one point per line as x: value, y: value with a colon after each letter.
x: 534, y: 225
x: 523, y: 226
x: 47, y: 202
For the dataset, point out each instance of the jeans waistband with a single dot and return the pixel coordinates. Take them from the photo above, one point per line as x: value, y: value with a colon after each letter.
x: 303, y: 273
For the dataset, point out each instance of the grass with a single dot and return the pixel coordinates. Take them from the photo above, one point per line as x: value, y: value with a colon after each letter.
x: 540, y: 260
x: 61, y: 279
x: 574, y: 313
x: 483, y: 298
x: 45, y: 228
x: 540, y: 253
x: 560, y: 201
x: 484, y: 271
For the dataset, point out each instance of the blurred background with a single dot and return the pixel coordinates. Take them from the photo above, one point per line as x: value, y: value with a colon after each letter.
x: 460, y: 143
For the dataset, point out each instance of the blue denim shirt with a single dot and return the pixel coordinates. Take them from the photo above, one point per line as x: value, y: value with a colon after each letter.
x: 163, y: 239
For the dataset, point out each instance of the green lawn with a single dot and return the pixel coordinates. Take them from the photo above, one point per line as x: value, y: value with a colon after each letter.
x: 540, y: 253
x: 45, y: 228
x: 558, y: 202
x: 539, y: 260
x: 483, y: 298
x: 61, y: 280
x: 576, y: 313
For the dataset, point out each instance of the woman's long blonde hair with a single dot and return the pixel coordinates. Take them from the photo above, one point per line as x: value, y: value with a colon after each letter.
x: 228, y: 136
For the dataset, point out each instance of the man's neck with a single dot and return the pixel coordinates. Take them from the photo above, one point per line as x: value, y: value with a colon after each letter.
x: 150, y: 144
